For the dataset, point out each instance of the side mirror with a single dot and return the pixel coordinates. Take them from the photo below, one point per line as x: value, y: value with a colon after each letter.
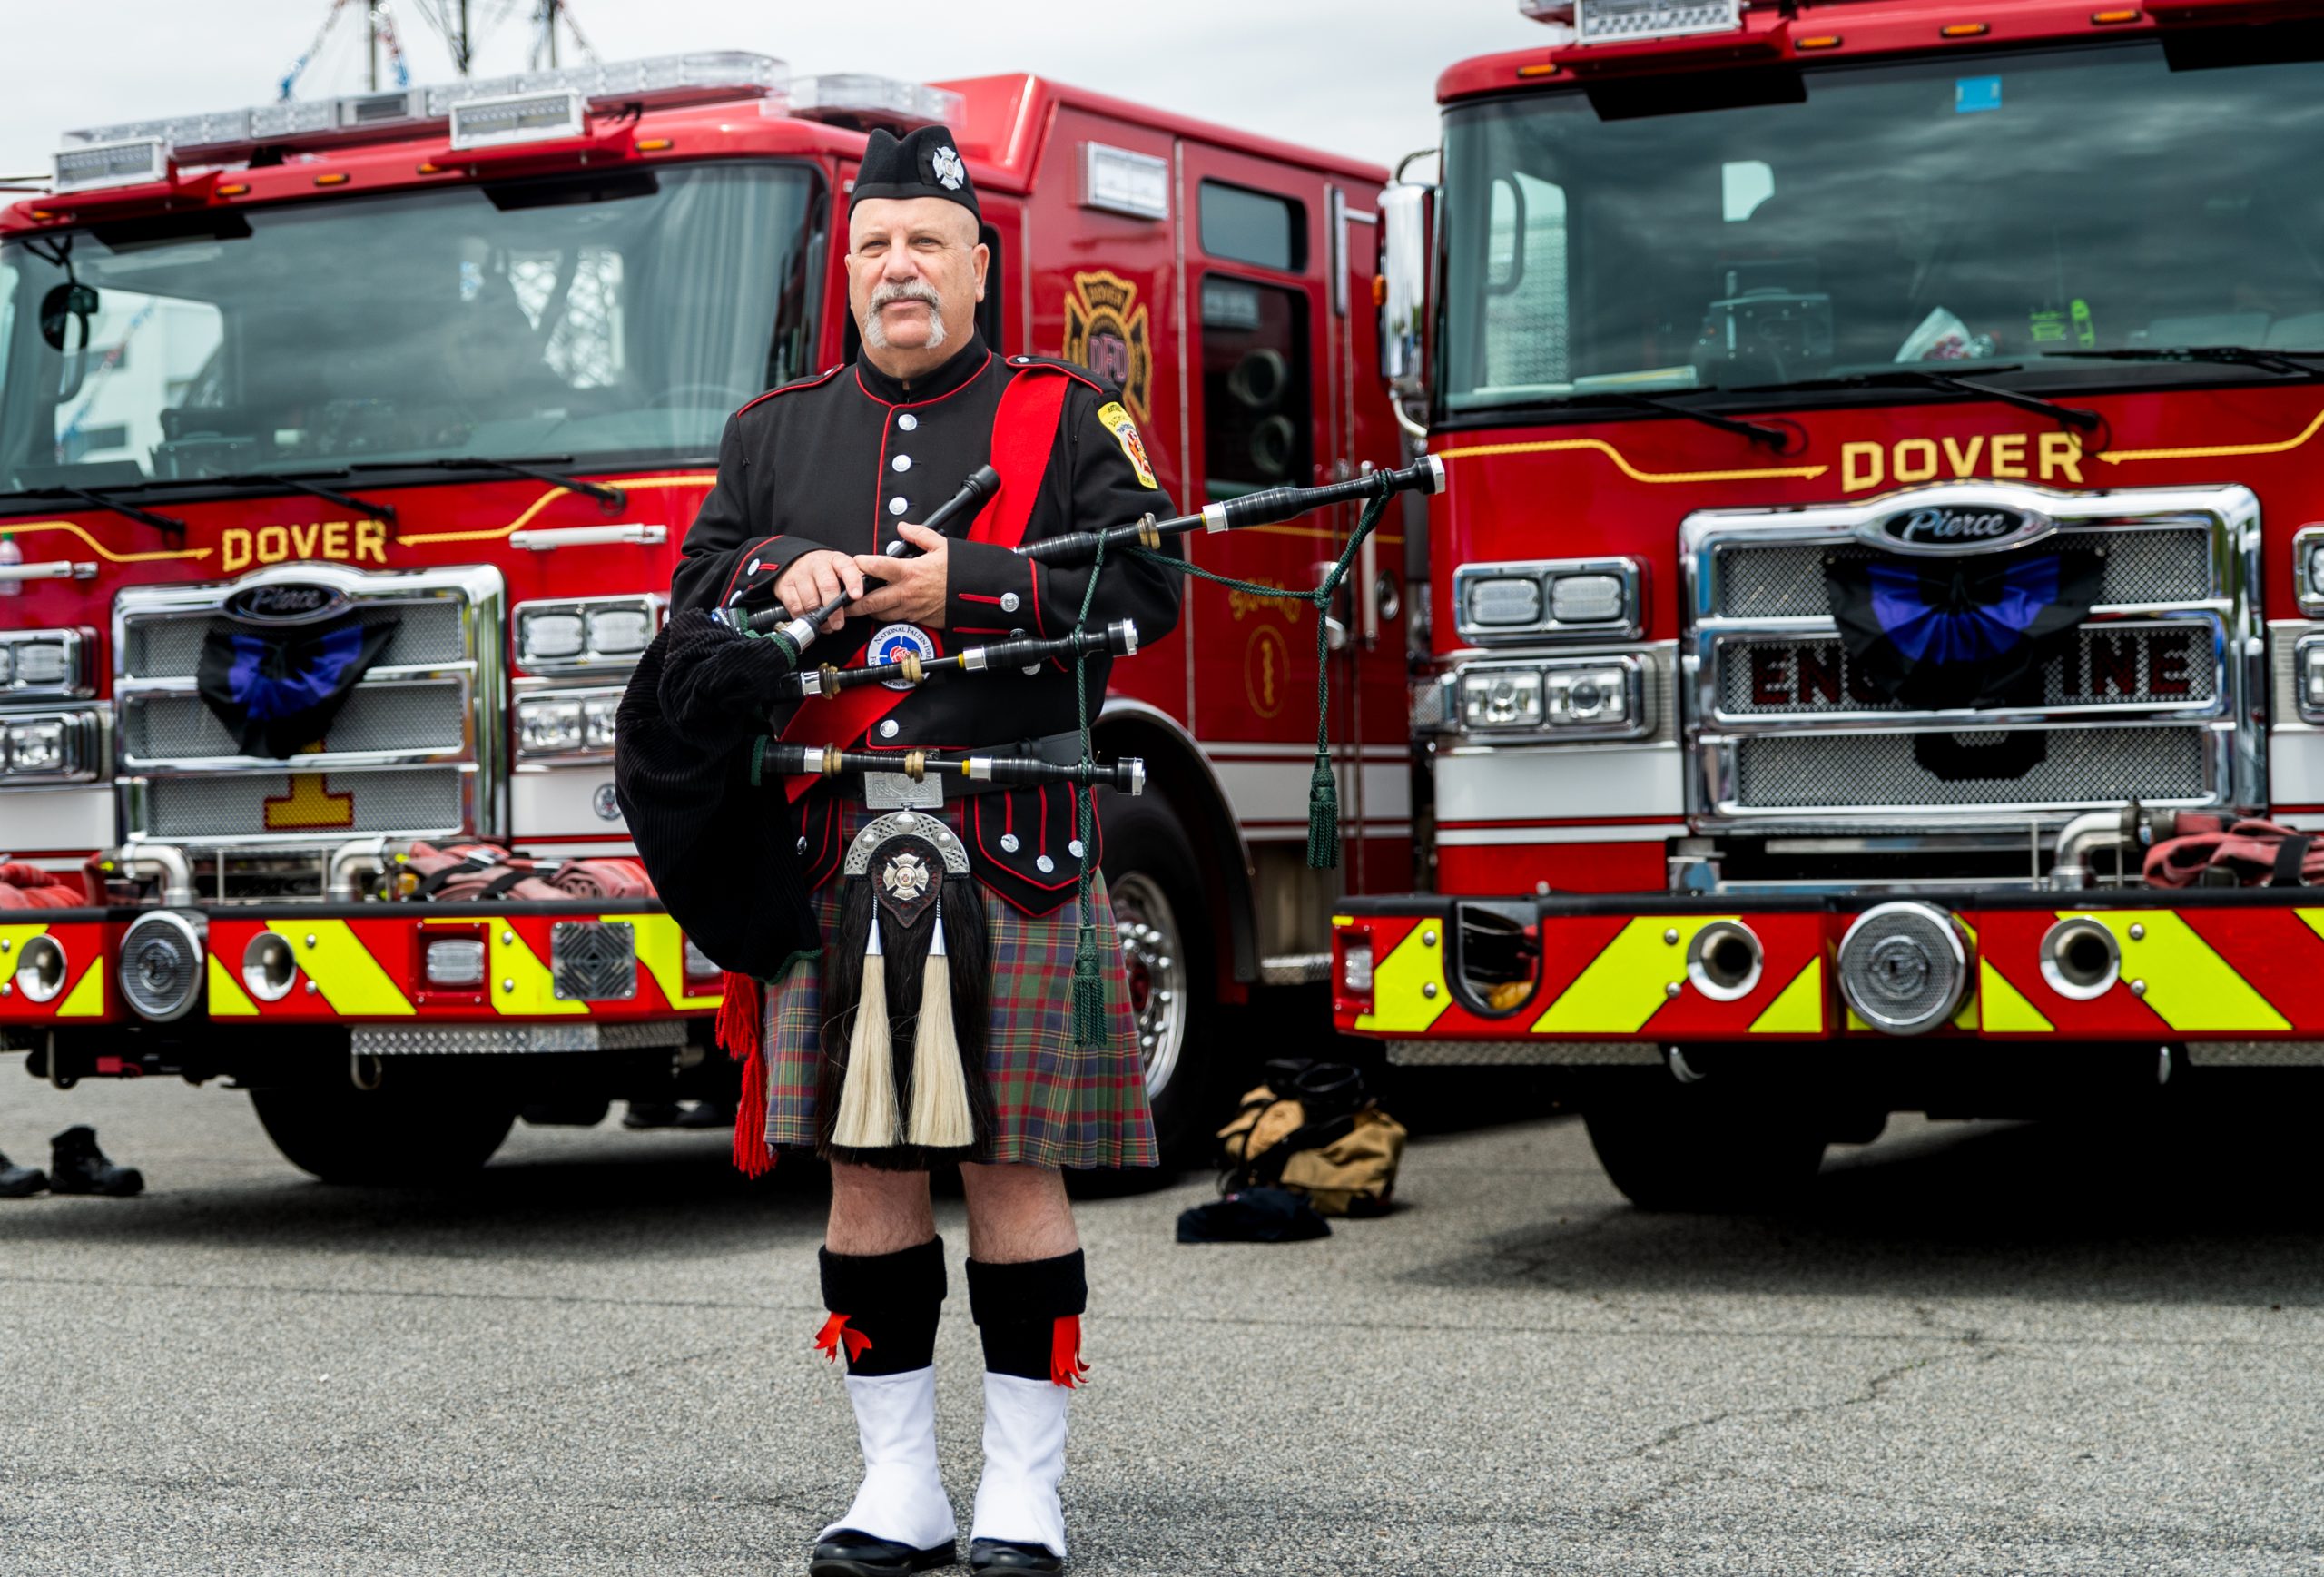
x: 68, y: 306
x: 1407, y: 232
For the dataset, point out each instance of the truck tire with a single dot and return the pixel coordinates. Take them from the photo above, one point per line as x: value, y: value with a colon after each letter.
x: 345, y: 1135
x: 1670, y: 1147
x: 1162, y: 916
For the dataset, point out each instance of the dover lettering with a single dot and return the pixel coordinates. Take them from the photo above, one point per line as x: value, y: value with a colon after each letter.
x: 340, y: 541
x: 2018, y: 456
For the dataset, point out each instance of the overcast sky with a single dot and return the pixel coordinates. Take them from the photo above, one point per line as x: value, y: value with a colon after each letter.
x: 1357, y: 76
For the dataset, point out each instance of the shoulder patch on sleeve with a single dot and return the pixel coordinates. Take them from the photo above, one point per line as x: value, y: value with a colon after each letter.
x: 815, y: 381
x: 1074, y: 370
x: 1117, y: 422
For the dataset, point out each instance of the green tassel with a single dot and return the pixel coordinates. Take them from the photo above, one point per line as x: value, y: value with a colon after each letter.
x: 1088, y: 992
x: 1322, y: 816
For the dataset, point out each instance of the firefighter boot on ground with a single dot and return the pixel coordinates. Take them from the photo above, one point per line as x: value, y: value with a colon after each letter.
x: 20, y: 1182
x: 76, y: 1165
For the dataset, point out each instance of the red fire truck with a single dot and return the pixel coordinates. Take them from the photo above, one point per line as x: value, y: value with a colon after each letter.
x: 457, y: 359
x: 1883, y: 440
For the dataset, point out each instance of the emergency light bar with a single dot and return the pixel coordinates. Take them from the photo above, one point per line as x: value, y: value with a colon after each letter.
x: 702, y: 77
x: 878, y: 98
x: 131, y: 163
x: 536, y: 117
x: 1625, y: 21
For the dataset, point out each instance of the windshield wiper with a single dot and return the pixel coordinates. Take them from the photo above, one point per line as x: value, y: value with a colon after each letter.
x: 301, y: 485
x: 1759, y: 432
x: 2068, y: 416
x: 609, y: 499
x: 101, y: 498
x: 2270, y: 360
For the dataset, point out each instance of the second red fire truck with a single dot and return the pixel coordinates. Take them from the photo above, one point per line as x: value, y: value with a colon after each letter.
x: 454, y: 360
x: 1884, y: 443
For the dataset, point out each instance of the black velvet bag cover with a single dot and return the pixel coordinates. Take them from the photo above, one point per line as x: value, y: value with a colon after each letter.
x: 277, y: 690
x: 722, y: 853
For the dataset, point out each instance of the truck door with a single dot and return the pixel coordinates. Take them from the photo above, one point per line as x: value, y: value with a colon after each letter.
x: 1256, y: 248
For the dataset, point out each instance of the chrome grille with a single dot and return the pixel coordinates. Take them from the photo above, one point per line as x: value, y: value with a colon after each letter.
x: 2116, y: 664
x: 416, y: 750
x: 170, y: 648
x: 235, y: 804
x: 2141, y: 705
x: 1786, y: 580
x: 2078, y: 766
x: 422, y: 717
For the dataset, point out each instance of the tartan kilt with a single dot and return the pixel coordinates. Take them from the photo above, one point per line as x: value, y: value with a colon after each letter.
x: 1055, y: 1104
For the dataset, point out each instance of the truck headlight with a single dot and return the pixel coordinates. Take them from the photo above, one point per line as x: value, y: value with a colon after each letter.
x: 2308, y: 676
x: 1549, y: 599
x: 549, y: 635
x: 36, y: 749
x: 455, y: 960
x: 699, y: 965
x: 598, y: 722
x: 48, y: 661
x: 1501, y: 698
x: 548, y: 727
x: 1583, y: 696
x: 586, y: 632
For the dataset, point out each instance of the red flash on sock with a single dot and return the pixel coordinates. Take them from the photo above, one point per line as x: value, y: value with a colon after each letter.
x: 837, y: 1332
x: 1066, y: 1367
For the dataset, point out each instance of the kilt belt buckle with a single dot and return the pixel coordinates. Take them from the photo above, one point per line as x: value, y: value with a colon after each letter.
x: 894, y: 791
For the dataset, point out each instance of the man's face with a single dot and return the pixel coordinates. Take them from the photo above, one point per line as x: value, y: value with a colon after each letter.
x: 915, y: 273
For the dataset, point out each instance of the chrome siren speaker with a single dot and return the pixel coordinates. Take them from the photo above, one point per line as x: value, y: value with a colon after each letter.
x: 1903, y: 968
x: 162, y: 960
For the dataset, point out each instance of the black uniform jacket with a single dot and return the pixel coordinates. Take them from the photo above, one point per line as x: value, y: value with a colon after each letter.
x: 836, y: 462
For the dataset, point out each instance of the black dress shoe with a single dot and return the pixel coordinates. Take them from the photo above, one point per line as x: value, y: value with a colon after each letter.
x: 848, y: 1554
x: 651, y: 1114
x: 1005, y: 1555
x: 75, y: 1166
x: 20, y: 1182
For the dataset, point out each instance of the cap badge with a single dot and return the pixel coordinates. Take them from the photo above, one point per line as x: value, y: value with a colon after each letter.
x: 948, y: 173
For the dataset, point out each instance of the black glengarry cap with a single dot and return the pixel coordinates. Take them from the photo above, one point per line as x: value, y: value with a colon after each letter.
x: 924, y: 163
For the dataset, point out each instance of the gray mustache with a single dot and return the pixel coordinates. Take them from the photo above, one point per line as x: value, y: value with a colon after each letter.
x: 887, y: 295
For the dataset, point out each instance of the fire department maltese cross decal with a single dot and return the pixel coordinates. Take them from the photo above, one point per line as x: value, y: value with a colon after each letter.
x: 947, y: 167
x: 1106, y: 330
x: 906, y: 877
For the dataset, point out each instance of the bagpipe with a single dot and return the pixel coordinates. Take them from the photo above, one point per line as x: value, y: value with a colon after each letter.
x: 905, y: 1002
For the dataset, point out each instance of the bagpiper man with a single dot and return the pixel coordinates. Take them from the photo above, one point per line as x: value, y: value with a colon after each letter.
x: 936, y: 1022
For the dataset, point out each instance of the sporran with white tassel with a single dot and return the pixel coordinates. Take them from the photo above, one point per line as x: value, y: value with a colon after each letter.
x: 906, y: 1002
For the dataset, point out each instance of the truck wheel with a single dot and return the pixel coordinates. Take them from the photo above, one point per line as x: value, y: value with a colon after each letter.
x: 345, y: 1135
x: 1162, y: 915
x: 1669, y: 1147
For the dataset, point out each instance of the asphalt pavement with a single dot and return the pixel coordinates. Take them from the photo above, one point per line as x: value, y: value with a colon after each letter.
x: 1984, y: 1349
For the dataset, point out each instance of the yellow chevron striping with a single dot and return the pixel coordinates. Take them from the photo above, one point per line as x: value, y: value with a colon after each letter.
x: 227, y: 998
x: 2188, y: 985
x: 342, y: 969
x: 662, y: 949
x: 1628, y: 982
x: 1798, y: 1008
x: 2004, y: 1008
x: 86, y: 1000
x: 520, y: 982
x: 1408, y: 992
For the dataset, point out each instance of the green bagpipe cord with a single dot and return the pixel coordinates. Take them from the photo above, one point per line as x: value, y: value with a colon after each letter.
x: 1323, y: 784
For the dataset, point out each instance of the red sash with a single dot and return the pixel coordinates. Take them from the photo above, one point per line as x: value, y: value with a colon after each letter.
x: 1024, y: 432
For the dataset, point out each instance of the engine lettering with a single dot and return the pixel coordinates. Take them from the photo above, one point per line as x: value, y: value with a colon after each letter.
x: 338, y: 541
x: 2011, y: 457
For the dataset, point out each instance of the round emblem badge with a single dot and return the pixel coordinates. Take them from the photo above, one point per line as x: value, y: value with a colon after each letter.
x: 608, y: 807
x: 893, y: 641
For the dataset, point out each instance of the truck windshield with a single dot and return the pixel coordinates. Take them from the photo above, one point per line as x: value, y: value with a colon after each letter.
x: 622, y: 314
x: 1853, y: 220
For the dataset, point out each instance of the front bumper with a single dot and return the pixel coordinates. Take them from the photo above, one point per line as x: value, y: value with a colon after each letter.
x: 363, y: 964
x: 2232, y: 972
